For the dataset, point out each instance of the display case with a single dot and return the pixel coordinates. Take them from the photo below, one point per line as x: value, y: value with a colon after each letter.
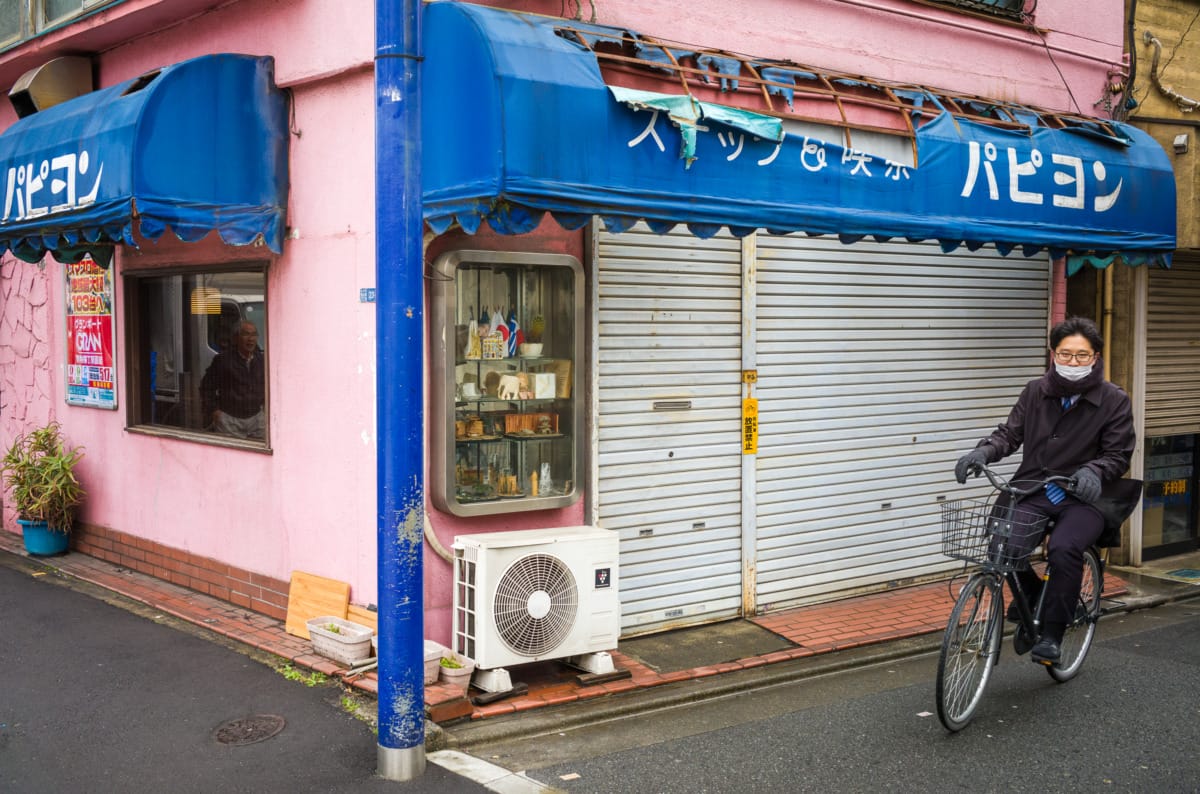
x: 506, y: 410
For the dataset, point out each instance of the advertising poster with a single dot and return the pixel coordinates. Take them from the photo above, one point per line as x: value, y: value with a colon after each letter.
x: 91, y: 359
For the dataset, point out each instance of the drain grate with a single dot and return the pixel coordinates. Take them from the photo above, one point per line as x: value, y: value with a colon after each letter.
x: 249, y: 730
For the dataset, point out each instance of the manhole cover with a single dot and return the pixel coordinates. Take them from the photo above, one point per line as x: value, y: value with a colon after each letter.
x: 1185, y: 573
x: 248, y: 730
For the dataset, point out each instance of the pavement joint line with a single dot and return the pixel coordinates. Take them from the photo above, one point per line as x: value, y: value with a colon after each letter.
x: 489, y: 775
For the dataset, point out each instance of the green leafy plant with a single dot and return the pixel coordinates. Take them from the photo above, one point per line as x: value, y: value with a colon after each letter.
x: 333, y: 628
x: 450, y: 664
x: 39, y: 471
x: 537, y: 327
x: 308, y: 678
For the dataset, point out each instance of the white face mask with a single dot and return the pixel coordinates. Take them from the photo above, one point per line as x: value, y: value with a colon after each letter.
x: 1073, y: 373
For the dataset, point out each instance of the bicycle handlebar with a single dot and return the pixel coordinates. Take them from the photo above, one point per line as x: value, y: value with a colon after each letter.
x: 1000, y: 484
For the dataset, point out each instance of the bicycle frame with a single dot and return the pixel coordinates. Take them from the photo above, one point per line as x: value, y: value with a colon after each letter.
x: 997, y: 539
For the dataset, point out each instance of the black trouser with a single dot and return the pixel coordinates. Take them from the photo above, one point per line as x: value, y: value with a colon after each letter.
x: 1077, y: 526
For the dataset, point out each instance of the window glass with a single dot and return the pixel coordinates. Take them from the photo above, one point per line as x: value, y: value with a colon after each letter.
x: 54, y: 10
x: 198, y: 352
x: 1168, y: 509
x: 1010, y: 9
x: 10, y: 18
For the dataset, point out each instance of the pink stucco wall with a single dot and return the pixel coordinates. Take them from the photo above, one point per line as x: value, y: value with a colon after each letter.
x: 898, y: 40
x: 311, y: 504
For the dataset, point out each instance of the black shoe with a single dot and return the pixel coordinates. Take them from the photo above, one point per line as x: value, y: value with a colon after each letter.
x: 1046, y: 650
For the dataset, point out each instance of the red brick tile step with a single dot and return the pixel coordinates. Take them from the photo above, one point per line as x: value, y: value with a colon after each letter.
x: 822, y: 628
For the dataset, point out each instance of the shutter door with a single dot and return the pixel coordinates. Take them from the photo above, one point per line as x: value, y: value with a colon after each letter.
x: 1173, y: 350
x: 669, y: 423
x: 878, y: 365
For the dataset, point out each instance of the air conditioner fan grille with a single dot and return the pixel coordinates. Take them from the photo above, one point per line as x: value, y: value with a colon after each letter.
x: 535, y: 604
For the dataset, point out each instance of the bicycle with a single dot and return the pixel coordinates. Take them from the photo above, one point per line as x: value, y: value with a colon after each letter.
x: 993, y: 534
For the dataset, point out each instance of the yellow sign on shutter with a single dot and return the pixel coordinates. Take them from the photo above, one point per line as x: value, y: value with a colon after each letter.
x: 750, y: 426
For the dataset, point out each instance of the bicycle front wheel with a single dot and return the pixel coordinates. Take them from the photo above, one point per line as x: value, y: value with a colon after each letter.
x: 969, y: 650
x: 1077, y: 639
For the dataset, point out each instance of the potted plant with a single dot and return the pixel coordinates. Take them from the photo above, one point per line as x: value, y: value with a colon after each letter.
x: 532, y: 346
x: 39, y: 471
x: 456, y: 669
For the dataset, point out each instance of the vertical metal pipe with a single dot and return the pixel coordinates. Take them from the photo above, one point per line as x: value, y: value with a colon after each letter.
x: 1058, y: 291
x: 1106, y: 323
x: 399, y: 365
x: 749, y: 504
x: 1137, y: 391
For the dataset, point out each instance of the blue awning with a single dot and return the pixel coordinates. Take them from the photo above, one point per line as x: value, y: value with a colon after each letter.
x: 194, y: 147
x: 519, y: 122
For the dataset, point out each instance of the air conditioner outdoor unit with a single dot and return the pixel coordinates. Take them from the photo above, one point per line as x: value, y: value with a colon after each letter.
x: 537, y: 594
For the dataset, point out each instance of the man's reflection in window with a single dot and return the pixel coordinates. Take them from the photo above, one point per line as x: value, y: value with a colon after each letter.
x: 234, y: 387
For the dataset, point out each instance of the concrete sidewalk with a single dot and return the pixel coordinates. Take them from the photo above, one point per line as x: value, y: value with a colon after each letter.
x: 700, y: 661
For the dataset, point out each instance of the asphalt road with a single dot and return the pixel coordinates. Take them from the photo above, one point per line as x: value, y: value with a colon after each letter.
x: 1129, y: 722
x: 96, y: 698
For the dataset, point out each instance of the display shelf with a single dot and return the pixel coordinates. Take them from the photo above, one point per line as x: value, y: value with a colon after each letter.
x: 512, y: 442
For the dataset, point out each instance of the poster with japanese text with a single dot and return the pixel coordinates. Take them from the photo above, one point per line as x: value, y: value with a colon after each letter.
x: 91, y: 362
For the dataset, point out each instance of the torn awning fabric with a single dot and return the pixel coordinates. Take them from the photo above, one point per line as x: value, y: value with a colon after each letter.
x: 519, y: 122
x: 194, y: 147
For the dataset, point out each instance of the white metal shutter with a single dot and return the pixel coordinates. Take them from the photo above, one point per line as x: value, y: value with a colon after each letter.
x: 878, y: 365
x: 1173, y: 350
x: 669, y: 423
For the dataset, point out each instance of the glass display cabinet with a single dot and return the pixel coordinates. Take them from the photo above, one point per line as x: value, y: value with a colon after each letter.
x: 506, y: 412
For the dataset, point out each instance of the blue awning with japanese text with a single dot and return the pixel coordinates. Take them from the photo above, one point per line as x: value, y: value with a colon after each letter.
x: 520, y: 122
x: 194, y: 147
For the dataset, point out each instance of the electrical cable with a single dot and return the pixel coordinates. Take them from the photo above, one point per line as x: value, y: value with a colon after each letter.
x: 1130, y: 47
x: 1061, y: 76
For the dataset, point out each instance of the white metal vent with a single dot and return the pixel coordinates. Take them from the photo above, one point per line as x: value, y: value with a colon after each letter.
x: 535, y: 594
x: 536, y: 604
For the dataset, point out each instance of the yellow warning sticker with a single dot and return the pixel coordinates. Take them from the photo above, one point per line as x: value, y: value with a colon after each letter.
x: 750, y: 426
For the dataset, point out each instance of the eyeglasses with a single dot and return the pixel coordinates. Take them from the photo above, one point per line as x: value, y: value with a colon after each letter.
x: 1065, y: 357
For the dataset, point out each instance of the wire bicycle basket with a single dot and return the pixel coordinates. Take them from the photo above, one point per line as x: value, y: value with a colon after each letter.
x: 987, y: 532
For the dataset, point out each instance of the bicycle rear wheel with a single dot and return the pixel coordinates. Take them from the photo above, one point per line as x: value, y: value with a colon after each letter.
x: 1077, y: 639
x: 969, y: 650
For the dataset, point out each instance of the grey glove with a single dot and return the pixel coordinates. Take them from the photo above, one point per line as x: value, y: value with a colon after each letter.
x: 1087, y: 485
x: 969, y: 464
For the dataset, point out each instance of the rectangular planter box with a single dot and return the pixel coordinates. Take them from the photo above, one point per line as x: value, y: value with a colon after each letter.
x: 433, y: 661
x: 349, y: 644
x: 458, y: 676
x: 433, y: 657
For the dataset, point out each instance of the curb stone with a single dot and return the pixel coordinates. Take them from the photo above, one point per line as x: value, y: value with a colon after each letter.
x: 1145, y: 592
x: 557, y: 719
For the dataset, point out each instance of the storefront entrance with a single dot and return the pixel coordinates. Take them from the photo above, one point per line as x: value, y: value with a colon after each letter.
x: 876, y: 363
x: 1168, y: 506
x: 669, y: 458
x: 1172, y: 427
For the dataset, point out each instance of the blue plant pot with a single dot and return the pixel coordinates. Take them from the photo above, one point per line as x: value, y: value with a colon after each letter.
x: 41, y: 541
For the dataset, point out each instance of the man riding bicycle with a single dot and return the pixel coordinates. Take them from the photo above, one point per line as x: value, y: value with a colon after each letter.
x: 1072, y: 422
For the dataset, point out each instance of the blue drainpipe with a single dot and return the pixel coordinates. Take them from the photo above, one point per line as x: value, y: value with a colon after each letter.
x: 399, y: 378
